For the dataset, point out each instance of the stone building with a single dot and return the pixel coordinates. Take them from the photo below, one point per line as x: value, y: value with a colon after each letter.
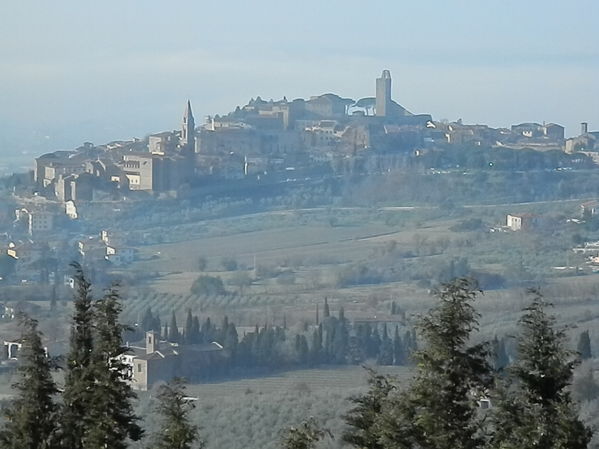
x: 161, y: 361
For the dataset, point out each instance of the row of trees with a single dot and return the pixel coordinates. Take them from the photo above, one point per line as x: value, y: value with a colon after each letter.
x: 531, y: 405
x: 334, y: 341
x: 94, y: 407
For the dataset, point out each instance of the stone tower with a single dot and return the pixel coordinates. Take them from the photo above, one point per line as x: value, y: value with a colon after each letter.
x: 151, y: 342
x: 188, y: 136
x: 584, y: 128
x: 383, y: 94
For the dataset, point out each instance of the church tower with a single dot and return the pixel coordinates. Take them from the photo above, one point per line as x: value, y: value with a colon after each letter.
x: 383, y: 95
x: 188, y: 134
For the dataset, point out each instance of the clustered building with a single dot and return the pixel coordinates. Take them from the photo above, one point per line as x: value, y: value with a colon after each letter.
x: 266, y: 137
x: 160, y: 163
x: 261, y: 139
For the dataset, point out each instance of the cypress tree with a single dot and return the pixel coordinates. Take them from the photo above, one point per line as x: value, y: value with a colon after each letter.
x: 501, y: 359
x: 538, y: 411
x: 147, y: 322
x: 196, y: 336
x: 399, y: 356
x: 31, y: 417
x: 208, y: 331
x: 231, y: 341
x: 112, y: 418
x: 222, y: 333
x: 53, y: 298
x: 302, y: 349
x: 374, y: 343
x: 173, y: 330
x: 584, y: 346
x: 75, y: 416
x: 329, y: 328
x: 156, y: 325
x: 385, y: 356
x: 188, y: 332
x: 316, y: 348
x: 176, y: 430
x: 317, y: 316
x: 340, y: 342
x: 440, y: 408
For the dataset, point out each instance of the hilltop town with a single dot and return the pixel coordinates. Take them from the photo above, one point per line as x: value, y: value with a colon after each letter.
x: 275, y: 138
x: 62, y: 211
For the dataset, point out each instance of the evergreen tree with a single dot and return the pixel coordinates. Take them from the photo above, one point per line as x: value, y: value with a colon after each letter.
x: 176, y: 431
x: 584, y: 346
x: 78, y: 395
x: 231, y: 340
x: 316, y: 348
x: 374, y: 343
x: 173, y: 330
x: 399, y: 356
x: 329, y: 328
x: 196, y: 336
x: 188, y: 332
x: 53, y: 298
x: 500, y: 358
x: 537, y: 411
x: 385, y: 356
x: 224, y: 328
x: 302, y: 349
x: 362, y: 418
x: 147, y: 322
x: 305, y: 436
x: 439, y: 410
x: 31, y: 416
x: 326, y: 312
x: 340, y: 348
x: 112, y: 418
x: 208, y: 331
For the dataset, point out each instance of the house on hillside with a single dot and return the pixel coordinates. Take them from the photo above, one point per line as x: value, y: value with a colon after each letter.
x: 520, y: 222
x: 589, y: 209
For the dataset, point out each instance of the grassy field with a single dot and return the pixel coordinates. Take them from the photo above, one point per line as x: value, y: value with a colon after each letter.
x: 313, y: 246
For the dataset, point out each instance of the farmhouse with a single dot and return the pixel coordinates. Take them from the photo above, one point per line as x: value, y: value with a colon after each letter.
x: 519, y: 222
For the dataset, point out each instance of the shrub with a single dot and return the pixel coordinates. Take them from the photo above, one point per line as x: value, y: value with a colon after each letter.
x: 208, y: 285
x: 229, y: 264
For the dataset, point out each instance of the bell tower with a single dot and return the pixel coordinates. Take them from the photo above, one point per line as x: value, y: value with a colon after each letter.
x: 188, y: 136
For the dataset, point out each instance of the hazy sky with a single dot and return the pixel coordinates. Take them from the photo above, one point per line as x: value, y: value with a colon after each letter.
x: 73, y: 70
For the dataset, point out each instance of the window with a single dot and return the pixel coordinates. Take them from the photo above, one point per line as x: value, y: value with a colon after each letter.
x: 140, y: 368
